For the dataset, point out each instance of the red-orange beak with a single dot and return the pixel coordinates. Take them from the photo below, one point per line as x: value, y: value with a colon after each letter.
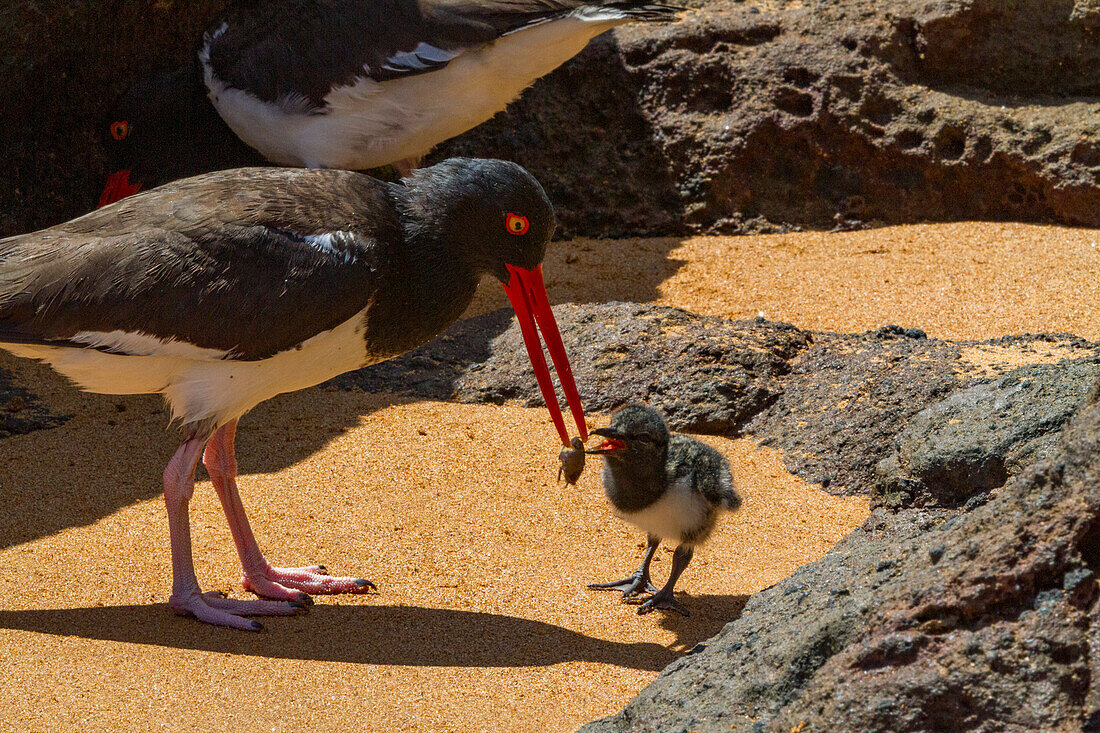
x: 608, y: 446
x: 118, y: 187
x: 613, y: 441
x: 527, y: 292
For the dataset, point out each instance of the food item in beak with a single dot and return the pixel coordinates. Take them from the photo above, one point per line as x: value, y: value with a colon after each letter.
x: 572, y: 462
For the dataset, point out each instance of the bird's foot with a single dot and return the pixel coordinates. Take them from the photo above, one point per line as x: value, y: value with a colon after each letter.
x: 213, y: 607
x: 294, y: 584
x: 663, y: 600
x: 635, y: 584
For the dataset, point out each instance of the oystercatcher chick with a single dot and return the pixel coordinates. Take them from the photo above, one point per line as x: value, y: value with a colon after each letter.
x: 223, y: 290
x: 351, y: 84
x: 671, y: 486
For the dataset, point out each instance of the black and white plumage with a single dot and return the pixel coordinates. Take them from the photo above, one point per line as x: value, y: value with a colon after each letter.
x: 224, y: 290
x: 673, y: 487
x: 351, y: 84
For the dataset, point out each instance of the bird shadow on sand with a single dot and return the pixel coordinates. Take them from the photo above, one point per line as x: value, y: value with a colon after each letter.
x: 709, y: 613
x: 358, y: 634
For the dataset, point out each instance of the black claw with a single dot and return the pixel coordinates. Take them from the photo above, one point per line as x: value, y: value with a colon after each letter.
x: 630, y: 586
x: 322, y: 569
x: 298, y: 606
x: 305, y: 599
x: 257, y: 626
x: 664, y: 603
x: 364, y: 583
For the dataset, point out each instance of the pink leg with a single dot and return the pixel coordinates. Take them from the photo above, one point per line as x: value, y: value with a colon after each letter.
x: 187, y: 598
x: 286, y: 584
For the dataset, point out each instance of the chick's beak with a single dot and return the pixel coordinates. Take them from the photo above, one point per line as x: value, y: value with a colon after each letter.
x: 118, y: 187
x: 526, y: 291
x: 614, y: 441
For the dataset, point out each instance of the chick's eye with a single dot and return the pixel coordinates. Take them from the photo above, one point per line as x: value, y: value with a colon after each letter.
x: 516, y: 224
x: 120, y: 129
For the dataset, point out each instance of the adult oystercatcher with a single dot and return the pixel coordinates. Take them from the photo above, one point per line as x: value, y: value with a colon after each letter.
x: 223, y: 290
x: 672, y: 487
x: 350, y: 84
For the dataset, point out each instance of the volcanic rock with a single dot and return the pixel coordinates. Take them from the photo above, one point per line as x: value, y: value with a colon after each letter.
x: 976, y: 438
x: 746, y: 115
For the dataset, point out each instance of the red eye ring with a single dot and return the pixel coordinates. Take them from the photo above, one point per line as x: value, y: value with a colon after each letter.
x: 120, y: 129
x: 516, y: 224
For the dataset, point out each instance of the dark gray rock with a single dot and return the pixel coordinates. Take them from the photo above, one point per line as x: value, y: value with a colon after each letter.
x: 954, y: 620
x: 978, y: 437
x: 705, y: 374
x: 756, y: 666
x: 756, y: 116
x: 747, y: 115
x: 847, y: 397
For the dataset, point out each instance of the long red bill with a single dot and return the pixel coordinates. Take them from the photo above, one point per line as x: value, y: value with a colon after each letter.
x: 527, y: 292
x: 118, y: 187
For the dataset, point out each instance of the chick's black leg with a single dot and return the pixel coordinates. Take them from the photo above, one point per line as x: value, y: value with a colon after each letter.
x: 638, y: 581
x: 663, y: 598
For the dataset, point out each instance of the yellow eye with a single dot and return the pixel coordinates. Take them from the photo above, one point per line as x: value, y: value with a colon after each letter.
x: 516, y: 224
x: 120, y: 129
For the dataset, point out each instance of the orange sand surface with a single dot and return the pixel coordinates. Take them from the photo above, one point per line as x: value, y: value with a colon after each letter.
x: 482, y: 621
x: 955, y: 281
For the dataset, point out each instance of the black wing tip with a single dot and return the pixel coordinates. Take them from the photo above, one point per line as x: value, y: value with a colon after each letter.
x: 20, y: 339
x: 18, y: 335
x: 12, y: 333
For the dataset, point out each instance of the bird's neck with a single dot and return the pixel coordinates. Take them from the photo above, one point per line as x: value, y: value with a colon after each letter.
x: 429, y: 287
x: 634, y: 485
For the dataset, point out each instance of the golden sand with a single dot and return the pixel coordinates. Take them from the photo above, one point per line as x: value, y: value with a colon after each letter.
x: 954, y: 281
x: 483, y: 621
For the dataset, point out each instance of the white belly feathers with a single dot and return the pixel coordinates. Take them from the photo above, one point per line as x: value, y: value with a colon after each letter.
x: 199, y: 384
x: 675, y: 516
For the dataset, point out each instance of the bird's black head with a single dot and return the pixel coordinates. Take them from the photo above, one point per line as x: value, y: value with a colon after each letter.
x: 493, y: 211
x: 637, y: 433
x: 164, y: 128
x: 493, y: 217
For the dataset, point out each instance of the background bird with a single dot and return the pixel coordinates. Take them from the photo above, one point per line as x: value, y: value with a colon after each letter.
x: 351, y: 84
x: 672, y: 487
x: 223, y: 290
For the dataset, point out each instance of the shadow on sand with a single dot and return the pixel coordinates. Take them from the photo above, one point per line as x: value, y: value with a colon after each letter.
x: 384, y: 635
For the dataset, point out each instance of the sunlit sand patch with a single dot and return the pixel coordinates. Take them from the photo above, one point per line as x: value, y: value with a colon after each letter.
x: 454, y: 510
x: 992, y: 360
x: 959, y: 281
